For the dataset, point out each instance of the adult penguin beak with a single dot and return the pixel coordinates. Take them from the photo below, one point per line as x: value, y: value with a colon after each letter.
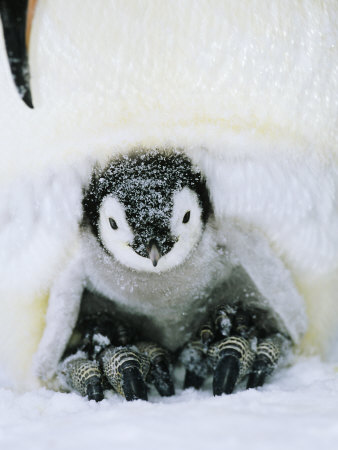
x: 16, y: 17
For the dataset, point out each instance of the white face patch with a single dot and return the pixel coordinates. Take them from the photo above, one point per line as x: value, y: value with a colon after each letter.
x: 186, y: 205
x: 185, y: 224
x: 115, y: 241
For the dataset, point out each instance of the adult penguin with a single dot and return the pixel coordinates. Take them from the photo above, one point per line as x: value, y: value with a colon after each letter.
x: 246, y: 89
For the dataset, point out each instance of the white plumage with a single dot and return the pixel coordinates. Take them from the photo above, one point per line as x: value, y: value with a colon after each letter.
x: 248, y: 89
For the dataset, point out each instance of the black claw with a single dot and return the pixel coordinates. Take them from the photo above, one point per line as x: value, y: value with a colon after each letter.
x: 192, y: 380
x: 260, y: 369
x: 242, y: 323
x: 133, y: 385
x: 226, y: 375
x: 13, y: 15
x: 256, y: 379
x: 206, y: 333
x: 95, y: 390
x: 162, y: 380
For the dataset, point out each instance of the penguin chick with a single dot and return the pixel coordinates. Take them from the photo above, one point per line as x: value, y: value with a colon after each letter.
x: 148, y: 210
x: 151, y: 253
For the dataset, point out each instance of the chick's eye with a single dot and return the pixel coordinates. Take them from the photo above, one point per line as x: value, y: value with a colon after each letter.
x: 186, y: 217
x: 113, y: 224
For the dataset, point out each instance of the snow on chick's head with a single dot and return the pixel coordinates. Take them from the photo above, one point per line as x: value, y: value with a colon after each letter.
x: 148, y: 209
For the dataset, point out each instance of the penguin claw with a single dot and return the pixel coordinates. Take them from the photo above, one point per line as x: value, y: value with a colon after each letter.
x: 95, y: 390
x: 268, y: 352
x: 258, y: 373
x: 192, y: 380
x: 126, y: 370
x: 224, y: 347
x: 159, y: 373
x: 13, y: 15
x: 133, y: 385
x: 231, y: 359
x: 194, y: 358
x: 162, y: 380
x: 229, y: 347
x: 226, y: 375
x: 84, y: 377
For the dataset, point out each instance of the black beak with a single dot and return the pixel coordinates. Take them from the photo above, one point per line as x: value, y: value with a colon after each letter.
x: 14, y: 21
x: 154, y: 252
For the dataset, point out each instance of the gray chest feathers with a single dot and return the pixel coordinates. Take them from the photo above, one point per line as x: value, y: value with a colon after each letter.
x: 168, y: 306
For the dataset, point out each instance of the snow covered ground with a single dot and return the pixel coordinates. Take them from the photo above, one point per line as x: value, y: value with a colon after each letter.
x: 298, y: 409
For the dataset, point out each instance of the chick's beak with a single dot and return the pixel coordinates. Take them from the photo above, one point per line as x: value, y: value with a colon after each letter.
x: 154, y: 252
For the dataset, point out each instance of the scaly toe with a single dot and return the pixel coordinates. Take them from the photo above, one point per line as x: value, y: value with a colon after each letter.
x: 126, y: 370
x: 84, y: 376
x: 230, y: 358
x: 267, y: 355
x: 159, y: 373
x: 226, y: 375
